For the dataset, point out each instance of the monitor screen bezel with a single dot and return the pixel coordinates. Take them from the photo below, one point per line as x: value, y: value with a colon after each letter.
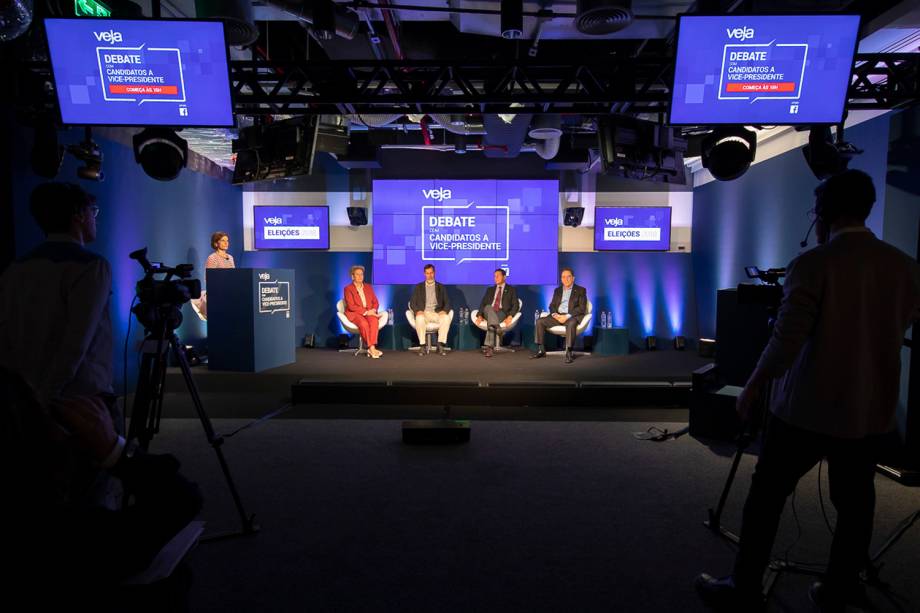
x: 57, y: 100
x: 843, y: 107
x: 328, y: 246
x: 630, y: 206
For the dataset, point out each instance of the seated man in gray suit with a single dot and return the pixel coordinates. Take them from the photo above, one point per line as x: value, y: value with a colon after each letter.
x: 498, y: 306
x: 569, y: 305
x: 430, y: 304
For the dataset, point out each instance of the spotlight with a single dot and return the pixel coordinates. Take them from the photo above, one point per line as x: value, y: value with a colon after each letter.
x: 90, y: 154
x: 512, y: 18
x: 680, y: 343
x: 728, y: 152
x: 161, y: 153
x: 573, y: 216
x: 707, y: 348
x: 357, y: 215
x: 651, y: 343
x: 47, y: 154
x: 824, y: 156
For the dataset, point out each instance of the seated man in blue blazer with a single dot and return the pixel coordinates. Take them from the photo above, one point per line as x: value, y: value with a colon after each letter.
x: 569, y: 305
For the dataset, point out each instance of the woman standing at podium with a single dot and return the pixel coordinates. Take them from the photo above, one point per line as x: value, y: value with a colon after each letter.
x: 220, y: 242
x: 361, y: 309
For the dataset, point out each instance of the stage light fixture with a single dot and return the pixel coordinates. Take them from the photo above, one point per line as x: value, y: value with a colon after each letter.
x: 729, y: 152
x: 161, y: 153
x: 357, y: 215
x: 573, y: 216
x: 90, y: 154
x: 825, y: 156
x: 651, y: 343
x: 512, y: 19
x: 707, y: 348
x: 680, y: 343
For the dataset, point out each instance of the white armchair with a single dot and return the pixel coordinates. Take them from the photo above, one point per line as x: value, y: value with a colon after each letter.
x: 430, y: 329
x: 502, y: 328
x: 579, y: 330
x: 351, y: 328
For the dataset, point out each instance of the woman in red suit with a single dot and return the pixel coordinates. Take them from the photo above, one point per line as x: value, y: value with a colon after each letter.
x: 361, y: 309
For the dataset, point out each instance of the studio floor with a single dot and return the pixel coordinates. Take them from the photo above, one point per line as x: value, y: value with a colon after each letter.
x: 528, y: 516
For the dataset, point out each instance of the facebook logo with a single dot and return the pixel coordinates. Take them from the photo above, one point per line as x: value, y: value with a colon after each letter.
x: 183, y: 111
x: 794, y: 108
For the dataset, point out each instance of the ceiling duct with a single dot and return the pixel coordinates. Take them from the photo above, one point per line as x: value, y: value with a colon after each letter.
x: 546, y: 131
x: 505, y: 138
x: 237, y: 18
x: 599, y: 17
x: 464, y: 125
x: 374, y: 120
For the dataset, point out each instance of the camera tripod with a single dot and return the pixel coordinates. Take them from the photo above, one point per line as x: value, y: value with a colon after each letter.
x: 148, y: 409
x: 714, y: 522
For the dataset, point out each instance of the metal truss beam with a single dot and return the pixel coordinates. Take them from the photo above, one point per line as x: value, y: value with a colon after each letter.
x: 627, y: 85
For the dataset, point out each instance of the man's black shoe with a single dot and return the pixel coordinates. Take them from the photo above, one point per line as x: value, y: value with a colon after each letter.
x: 488, y: 352
x: 442, y: 349
x: 828, y: 600
x: 569, y: 358
x: 422, y: 351
x: 723, y: 595
x: 540, y: 353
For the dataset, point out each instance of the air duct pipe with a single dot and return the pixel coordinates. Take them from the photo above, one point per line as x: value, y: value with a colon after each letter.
x: 374, y: 120
x: 545, y: 130
x: 458, y: 124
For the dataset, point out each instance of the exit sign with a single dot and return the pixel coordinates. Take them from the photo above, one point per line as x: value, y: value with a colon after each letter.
x: 90, y: 8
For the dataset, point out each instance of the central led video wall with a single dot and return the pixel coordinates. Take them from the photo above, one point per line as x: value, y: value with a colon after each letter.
x: 467, y: 229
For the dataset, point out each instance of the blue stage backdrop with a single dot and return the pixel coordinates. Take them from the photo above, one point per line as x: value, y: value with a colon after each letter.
x: 759, y: 219
x: 173, y: 219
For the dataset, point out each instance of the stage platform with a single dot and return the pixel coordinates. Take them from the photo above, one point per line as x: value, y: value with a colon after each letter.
x: 465, y: 378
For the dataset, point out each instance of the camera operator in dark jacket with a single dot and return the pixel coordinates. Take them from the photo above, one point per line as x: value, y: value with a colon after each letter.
x: 60, y: 426
x: 834, y: 363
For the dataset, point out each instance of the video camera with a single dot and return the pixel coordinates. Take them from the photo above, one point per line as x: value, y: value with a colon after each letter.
x: 160, y: 300
x: 768, y: 292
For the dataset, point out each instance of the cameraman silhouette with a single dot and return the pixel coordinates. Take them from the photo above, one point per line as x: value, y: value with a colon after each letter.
x: 834, y: 362
x: 60, y: 428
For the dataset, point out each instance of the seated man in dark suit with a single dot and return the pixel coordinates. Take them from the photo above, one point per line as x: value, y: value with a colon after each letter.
x: 569, y: 305
x: 429, y: 303
x: 498, y: 306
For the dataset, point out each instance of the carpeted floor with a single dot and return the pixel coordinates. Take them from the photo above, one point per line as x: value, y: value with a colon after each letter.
x: 529, y: 516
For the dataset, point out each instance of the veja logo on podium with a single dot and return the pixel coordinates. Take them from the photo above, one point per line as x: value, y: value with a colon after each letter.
x: 743, y: 33
x: 274, y: 296
x: 613, y: 221
x: 439, y: 193
x: 274, y: 221
x: 109, y: 37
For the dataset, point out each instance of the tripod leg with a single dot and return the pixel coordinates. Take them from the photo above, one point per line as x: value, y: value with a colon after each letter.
x: 138, y: 428
x: 715, y: 516
x: 247, y: 521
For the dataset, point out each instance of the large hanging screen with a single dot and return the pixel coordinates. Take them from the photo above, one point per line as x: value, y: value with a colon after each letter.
x: 140, y: 72
x: 762, y: 70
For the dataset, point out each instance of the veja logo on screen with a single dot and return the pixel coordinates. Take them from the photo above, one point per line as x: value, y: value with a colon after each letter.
x: 264, y: 276
x: 438, y: 193
x: 743, y: 33
x: 613, y: 221
x: 110, y: 37
x: 274, y: 221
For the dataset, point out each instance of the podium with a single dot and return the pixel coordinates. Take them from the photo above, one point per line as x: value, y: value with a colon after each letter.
x: 250, y: 318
